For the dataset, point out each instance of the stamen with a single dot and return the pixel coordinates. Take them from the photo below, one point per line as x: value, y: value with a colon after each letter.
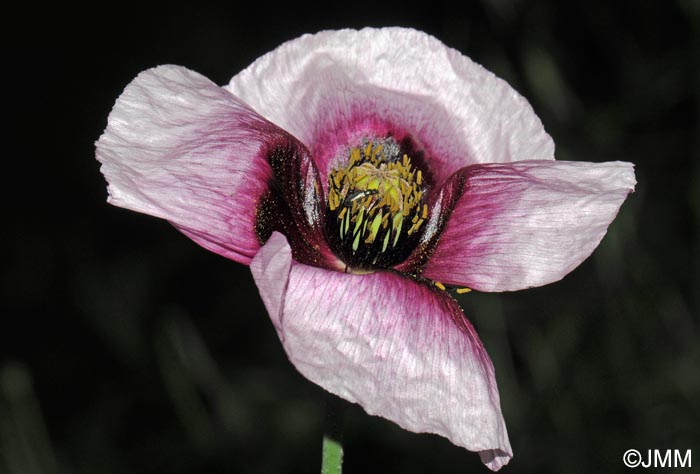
x: 375, y: 192
x: 396, y: 225
x: 461, y: 291
x: 386, y: 241
x: 374, y: 228
x: 356, y: 243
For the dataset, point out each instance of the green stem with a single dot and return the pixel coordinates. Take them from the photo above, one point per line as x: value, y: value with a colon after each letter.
x: 332, y: 462
x: 332, y: 454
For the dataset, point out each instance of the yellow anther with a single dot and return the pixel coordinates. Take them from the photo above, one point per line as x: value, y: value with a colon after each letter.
x: 354, y: 156
x: 439, y: 285
x: 461, y: 291
x: 337, y: 178
x: 336, y: 197
x: 415, y: 227
x: 373, y: 194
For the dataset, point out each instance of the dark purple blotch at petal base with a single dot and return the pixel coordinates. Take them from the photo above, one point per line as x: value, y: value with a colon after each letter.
x: 294, y: 203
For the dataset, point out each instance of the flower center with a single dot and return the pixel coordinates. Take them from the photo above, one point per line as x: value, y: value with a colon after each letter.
x: 375, y: 205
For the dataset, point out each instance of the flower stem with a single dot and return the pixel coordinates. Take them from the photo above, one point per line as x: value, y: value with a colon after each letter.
x: 332, y: 453
x: 332, y: 462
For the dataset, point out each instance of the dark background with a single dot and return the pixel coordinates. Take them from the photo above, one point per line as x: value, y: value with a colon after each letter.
x: 126, y: 348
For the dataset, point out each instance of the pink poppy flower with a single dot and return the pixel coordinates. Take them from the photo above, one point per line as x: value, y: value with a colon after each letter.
x: 357, y: 172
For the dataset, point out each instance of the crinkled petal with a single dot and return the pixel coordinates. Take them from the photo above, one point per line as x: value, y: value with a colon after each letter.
x: 525, y: 224
x: 334, y: 87
x: 399, y: 348
x: 179, y: 147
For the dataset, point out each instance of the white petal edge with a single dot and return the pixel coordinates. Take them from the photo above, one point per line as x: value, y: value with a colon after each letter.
x: 313, y: 86
x: 526, y: 224
x: 388, y: 343
x: 179, y: 147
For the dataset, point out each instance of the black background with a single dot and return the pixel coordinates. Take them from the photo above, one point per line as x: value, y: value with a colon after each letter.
x: 124, y: 347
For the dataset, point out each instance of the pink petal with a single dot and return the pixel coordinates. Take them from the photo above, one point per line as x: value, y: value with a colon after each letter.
x: 525, y: 224
x: 179, y: 147
x: 271, y: 267
x: 399, y: 348
x: 334, y: 87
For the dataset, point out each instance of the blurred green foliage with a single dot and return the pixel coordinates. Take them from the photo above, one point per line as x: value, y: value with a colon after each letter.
x: 126, y: 348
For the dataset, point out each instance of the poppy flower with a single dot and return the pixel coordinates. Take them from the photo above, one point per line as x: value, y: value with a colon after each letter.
x: 363, y: 176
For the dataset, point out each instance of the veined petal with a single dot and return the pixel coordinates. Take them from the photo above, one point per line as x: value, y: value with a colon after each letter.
x: 179, y: 147
x: 399, y: 348
x: 334, y: 87
x: 525, y: 224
